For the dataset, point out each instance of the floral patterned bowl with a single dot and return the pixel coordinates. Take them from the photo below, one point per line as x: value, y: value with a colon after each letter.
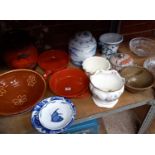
x: 20, y: 89
x: 53, y: 115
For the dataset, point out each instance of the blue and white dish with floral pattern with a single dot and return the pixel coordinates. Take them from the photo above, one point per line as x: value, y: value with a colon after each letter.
x: 82, y: 46
x: 53, y: 115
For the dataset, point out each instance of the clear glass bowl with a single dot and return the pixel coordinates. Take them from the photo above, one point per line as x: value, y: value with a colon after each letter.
x: 142, y: 47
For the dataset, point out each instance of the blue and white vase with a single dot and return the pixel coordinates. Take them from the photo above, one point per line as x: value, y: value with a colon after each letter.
x: 109, y: 43
x: 82, y: 46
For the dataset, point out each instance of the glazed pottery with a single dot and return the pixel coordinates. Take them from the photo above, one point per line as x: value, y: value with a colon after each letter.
x: 137, y: 78
x: 92, y: 64
x: 82, y: 46
x: 109, y: 43
x: 106, y: 104
x: 20, y: 89
x: 106, y: 87
x: 53, y: 115
x: 22, y: 58
x: 149, y: 64
x: 120, y: 60
x: 53, y: 60
x: 142, y: 46
x: 70, y: 82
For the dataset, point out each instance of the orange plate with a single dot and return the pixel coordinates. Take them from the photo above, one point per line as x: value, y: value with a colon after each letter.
x: 53, y: 60
x: 20, y: 90
x: 70, y: 82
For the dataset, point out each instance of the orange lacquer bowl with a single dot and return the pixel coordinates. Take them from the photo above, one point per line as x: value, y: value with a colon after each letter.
x: 70, y: 82
x: 20, y: 90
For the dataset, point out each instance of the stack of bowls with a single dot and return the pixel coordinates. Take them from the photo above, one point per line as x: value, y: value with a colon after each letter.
x: 82, y: 46
x: 106, y: 87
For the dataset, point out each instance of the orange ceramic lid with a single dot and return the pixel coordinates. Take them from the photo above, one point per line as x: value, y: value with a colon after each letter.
x: 20, y: 90
x: 53, y: 60
x: 70, y: 82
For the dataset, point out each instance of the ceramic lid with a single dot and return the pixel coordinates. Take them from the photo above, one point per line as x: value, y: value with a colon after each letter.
x: 53, y: 115
x: 83, y: 40
x: 111, y: 38
x: 84, y: 36
x: 53, y: 60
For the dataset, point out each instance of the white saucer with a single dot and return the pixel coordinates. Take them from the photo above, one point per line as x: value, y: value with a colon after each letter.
x: 104, y: 104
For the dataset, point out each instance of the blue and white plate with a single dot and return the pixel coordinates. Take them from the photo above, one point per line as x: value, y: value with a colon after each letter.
x: 53, y: 115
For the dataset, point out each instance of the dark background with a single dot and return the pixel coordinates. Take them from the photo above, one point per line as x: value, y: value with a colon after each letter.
x: 56, y: 33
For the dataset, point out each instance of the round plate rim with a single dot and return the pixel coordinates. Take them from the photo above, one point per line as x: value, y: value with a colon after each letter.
x: 36, y: 111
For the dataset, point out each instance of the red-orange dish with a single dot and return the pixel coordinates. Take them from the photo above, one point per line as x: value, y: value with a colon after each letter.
x: 20, y: 90
x: 70, y: 82
x: 53, y: 60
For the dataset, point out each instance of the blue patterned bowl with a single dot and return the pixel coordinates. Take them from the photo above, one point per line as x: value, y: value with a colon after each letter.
x: 53, y: 115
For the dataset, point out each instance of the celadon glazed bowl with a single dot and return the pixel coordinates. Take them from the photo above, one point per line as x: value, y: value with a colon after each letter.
x: 106, y: 87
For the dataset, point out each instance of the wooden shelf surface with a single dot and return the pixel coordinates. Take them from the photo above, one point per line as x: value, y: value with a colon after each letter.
x: 85, y: 106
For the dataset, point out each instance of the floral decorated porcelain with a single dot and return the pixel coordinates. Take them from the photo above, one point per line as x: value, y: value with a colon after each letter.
x: 92, y: 64
x: 20, y: 89
x: 106, y: 87
x: 82, y: 46
x: 53, y: 115
x: 120, y: 60
x: 109, y: 43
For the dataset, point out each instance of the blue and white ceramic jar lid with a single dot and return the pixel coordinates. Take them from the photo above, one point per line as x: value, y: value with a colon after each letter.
x: 111, y: 38
x: 83, y: 40
x: 84, y: 36
x: 53, y: 115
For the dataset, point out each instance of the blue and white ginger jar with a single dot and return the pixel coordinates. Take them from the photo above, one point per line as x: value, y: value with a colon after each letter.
x: 81, y: 47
